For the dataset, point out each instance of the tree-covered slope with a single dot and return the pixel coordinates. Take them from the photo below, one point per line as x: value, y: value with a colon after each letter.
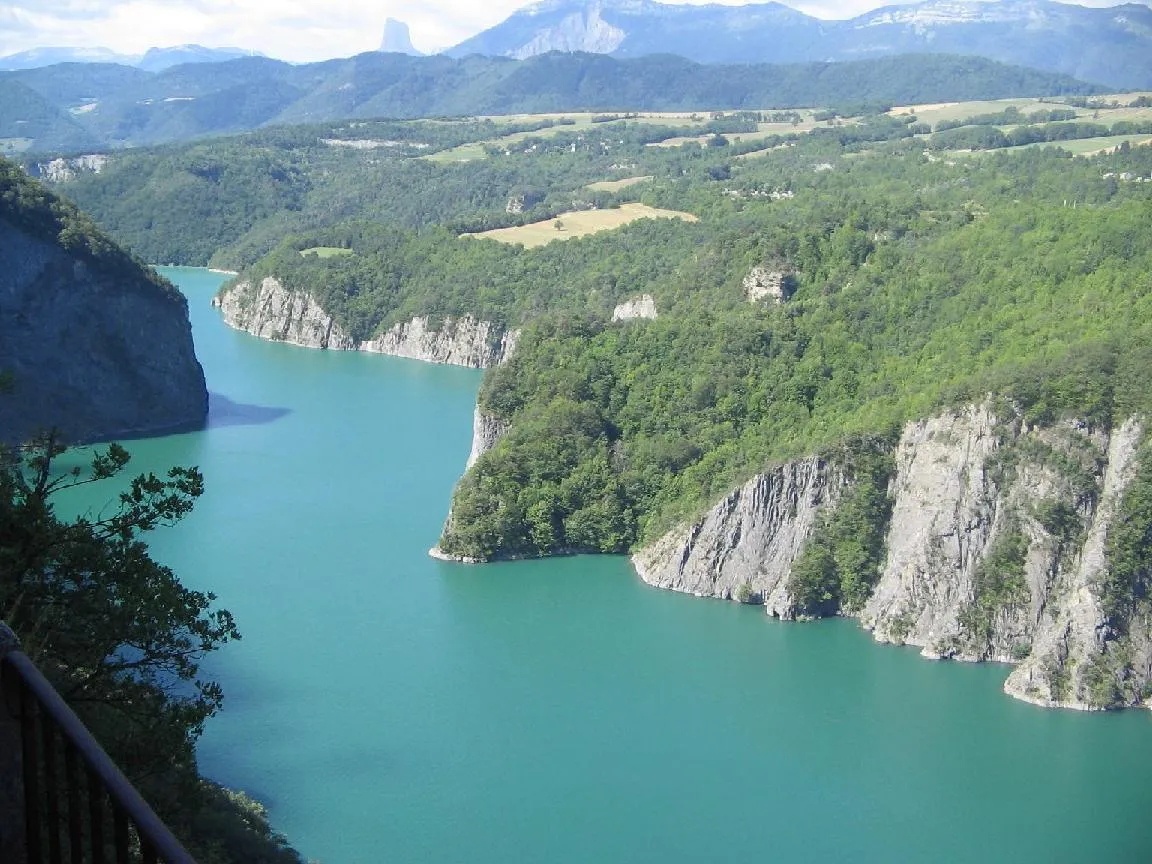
x: 916, y: 281
x: 919, y: 285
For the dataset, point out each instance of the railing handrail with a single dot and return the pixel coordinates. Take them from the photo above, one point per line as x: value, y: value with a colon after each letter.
x: 123, y: 794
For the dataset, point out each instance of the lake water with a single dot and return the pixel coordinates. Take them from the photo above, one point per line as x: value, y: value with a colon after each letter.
x: 388, y: 707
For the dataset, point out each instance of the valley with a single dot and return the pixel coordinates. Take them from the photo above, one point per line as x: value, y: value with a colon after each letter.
x: 831, y: 352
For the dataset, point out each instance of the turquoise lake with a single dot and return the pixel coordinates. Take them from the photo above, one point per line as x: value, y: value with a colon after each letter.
x: 388, y: 707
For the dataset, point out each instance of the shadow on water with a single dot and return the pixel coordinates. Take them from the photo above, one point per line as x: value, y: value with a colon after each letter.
x: 222, y: 411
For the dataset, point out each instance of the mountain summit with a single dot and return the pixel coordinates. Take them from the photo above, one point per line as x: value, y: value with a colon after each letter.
x: 397, y: 39
x: 1110, y: 45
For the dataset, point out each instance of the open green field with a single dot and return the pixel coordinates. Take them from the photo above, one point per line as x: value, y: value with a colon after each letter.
x: 1077, y: 147
x: 463, y: 153
x: 579, y: 223
x: 764, y: 130
x: 755, y: 154
x: 326, y: 251
x: 616, y: 185
x: 950, y: 111
x: 1093, y: 146
x: 584, y: 120
x: 940, y: 112
x: 14, y: 145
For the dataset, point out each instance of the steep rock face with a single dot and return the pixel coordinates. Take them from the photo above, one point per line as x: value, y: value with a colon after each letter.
x: 271, y: 311
x: 745, y: 545
x: 459, y: 341
x: 486, y: 431
x: 94, y: 354
x: 643, y: 306
x: 942, y: 518
x: 995, y: 551
x: 1073, y: 636
x: 583, y: 30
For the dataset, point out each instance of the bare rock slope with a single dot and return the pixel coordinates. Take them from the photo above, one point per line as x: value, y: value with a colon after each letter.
x: 995, y: 550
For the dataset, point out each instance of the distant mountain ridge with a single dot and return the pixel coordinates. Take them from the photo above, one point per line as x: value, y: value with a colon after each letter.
x: 91, y: 107
x: 1111, y: 45
x: 152, y: 60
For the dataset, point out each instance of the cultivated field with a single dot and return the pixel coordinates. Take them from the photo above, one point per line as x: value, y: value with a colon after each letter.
x: 950, y: 111
x: 584, y: 120
x: 579, y: 223
x: 616, y: 185
x: 326, y: 251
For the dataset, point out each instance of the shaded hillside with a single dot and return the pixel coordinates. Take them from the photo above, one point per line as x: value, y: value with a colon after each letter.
x: 74, y: 106
x: 92, y: 342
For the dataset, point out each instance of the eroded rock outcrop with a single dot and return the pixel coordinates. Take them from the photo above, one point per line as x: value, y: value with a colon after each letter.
x: 643, y: 306
x: 95, y: 346
x: 486, y: 431
x: 62, y: 170
x: 995, y: 550
x: 272, y: 311
x: 768, y: 283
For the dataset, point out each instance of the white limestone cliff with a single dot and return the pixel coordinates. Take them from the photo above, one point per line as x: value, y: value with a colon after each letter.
x: 271, y: 311
x: 643, y: 306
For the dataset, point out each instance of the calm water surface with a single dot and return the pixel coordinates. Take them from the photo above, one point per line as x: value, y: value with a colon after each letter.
x: 388, y: 707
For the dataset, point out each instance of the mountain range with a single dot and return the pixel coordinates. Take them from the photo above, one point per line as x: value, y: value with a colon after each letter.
x: 1110, y: 46
x: 152, y: 60
x: 78, y: 107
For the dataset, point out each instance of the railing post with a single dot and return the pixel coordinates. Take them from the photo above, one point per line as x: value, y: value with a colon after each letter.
x: 11, y: 759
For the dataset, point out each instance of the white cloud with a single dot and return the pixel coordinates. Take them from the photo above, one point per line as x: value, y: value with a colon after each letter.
x: 298, y: 30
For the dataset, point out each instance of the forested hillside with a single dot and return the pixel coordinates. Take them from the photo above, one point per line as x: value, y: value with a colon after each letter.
x: 914, y: 281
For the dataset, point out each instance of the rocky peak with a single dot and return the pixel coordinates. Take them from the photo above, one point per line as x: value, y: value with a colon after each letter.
x: 397, y: 39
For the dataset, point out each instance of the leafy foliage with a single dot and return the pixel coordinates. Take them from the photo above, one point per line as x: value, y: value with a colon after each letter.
x: 118, y: 635
x: 841, y: 563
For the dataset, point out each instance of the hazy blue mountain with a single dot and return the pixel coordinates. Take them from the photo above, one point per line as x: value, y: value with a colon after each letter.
x: 153, y: 60
x: 36, y: 57
x: 101, y: 106
x: 158, y: 59
x: 397, y: 38
x: 1110, y: 45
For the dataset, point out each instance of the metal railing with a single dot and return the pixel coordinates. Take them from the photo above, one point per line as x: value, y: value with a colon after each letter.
x: 60, y: 793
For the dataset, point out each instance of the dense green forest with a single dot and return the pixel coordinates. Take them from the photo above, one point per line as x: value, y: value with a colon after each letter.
x: 41, y: 108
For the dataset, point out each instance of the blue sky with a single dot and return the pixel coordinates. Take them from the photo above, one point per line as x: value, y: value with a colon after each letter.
x: 297, y: 30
